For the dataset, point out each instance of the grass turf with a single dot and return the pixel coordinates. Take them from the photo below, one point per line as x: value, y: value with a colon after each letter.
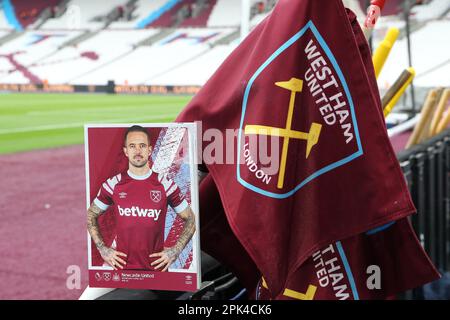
x: 37, y: 121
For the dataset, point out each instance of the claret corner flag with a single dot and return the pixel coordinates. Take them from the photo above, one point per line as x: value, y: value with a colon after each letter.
x: 334, y: 213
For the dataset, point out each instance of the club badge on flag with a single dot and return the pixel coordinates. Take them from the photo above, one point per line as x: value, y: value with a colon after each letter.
x: 311, y: 110
x: 303, y: 79
x: 362, y: 267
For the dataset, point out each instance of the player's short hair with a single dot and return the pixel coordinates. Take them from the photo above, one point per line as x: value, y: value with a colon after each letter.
x: 135, y: 128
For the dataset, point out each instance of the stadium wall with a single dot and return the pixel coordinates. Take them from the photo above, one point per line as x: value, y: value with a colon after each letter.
x: 111, y: 89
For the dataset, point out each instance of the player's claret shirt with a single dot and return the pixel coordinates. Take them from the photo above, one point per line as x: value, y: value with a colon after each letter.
x: 140, y: 206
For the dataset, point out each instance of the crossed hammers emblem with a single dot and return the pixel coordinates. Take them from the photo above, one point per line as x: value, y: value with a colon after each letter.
x: 312, y: 137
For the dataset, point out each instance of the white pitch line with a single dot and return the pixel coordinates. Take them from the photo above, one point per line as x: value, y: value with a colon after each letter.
x: 80, y: 124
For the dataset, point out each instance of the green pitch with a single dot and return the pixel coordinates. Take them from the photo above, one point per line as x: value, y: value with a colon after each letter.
x: 37, y: 121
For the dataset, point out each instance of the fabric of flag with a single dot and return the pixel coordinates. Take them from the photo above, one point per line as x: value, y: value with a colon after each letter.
x: 301, y: 78
x: 374, y: 265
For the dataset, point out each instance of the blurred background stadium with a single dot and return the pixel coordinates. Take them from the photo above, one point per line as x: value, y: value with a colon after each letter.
x: 65, y: 63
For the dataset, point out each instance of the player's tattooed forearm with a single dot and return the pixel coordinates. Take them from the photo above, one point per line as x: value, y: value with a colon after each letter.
x: 105, y: 251
x: 186, y: 235
x: 96, y: 211
x: 172, y: 252
x: 92, y: 225
x: 94, y: 231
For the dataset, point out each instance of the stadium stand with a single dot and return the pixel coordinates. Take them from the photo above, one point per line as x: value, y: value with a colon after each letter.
x: 3, y: 33
x: 5, y: 16
x: 435, y: 9
x: 174, y: 13
x: 89, y: 55
x: 199, y: 14
x: 192, y: 73
x: 22, y: 14
x: 228, y: 13
x: 28, y: 11
x: 139, y: 14
x: 164, y: 13
x: 96, y: 56
x: 114, y: 40
x: 84, y: 14
x: 28, y: 50
x: 5, y: 66
x: 225, y: 13
x: 37, y: 44
x: 145, y: 62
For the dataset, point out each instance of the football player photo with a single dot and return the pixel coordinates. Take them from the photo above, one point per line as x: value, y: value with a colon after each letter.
x: 142, y: 206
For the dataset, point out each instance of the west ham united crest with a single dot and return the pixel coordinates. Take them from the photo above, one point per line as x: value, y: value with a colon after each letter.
x: 107, y: 276
x: 307, y: 109
x: 155, y: 195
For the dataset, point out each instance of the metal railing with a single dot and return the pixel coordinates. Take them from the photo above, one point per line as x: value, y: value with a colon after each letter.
x: 427, y: 171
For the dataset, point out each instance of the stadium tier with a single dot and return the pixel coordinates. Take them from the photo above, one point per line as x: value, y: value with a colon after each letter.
x: 4, y: 24
x: 143, y: 64
x: 433, y: 10
x: 89, y: 55
x: 199, y: 16
x: 109, y: 55
x: 27, y: 12
x: 192, y: 72
x: 138, y: 42
x: 3, y: 33
x: 34, y: 45
x: 225, y: 13
x: 19, y: 14
x: 141, y: 14
x: 175, y: 10
x: 83, y: 14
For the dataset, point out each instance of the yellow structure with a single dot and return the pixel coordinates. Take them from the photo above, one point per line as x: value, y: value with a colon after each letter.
x: 383, y: 50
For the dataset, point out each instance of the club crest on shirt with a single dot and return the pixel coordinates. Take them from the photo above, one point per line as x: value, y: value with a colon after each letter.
x: 155, y: 195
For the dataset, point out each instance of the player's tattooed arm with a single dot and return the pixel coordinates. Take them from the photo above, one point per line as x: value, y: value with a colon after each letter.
x: 92, y: 224
x: 109, y: 255
x: 188, y: 231
x: 169, y: 255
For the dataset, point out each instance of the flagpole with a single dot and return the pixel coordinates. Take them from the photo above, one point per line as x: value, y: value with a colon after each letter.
x: 407, y: 10
x: 373, y: 14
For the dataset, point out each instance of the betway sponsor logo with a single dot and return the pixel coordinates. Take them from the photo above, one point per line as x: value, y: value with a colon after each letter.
x: 138, y: 212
